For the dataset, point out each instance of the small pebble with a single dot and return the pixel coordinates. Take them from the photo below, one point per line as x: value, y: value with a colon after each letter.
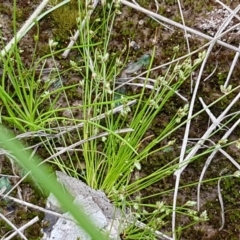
x: 134, y: 45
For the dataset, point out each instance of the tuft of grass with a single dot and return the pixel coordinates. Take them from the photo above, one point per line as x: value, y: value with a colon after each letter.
x: 88, y: 132
x: 27, y: 103
x: 105, y: 144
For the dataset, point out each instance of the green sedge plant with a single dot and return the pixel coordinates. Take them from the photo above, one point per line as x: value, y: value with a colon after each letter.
x: 27, y: 103
x: 105, y: 144
x: 109, y: 167
x: 102, y: 154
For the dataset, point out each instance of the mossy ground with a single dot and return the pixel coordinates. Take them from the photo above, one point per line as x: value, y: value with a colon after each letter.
x: 132, y: 25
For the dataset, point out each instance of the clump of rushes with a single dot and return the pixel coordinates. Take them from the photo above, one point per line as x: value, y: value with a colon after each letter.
x: 27, y: 102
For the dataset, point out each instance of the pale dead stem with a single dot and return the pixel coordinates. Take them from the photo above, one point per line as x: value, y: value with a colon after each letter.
x: 178, y: 25
x: 18, y: 230
x: 23, y: 29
